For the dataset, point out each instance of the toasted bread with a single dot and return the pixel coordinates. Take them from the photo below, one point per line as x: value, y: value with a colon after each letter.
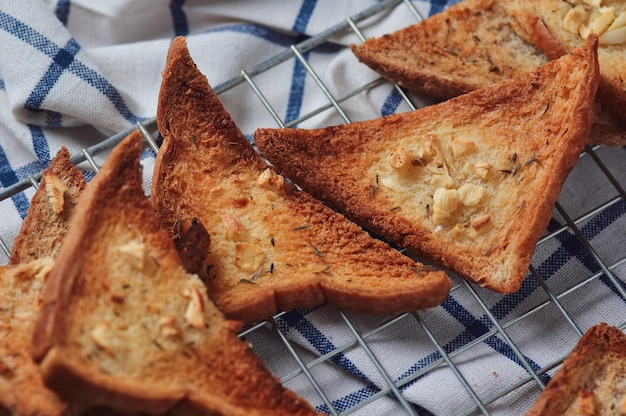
x: 557, y: 27
x: 50, y: 209
x: 591, y: 380
x: 468, y: 46
x: 273, y: 247
x: 22, y: 391
x: 123, y: 324
x: 470, y: 182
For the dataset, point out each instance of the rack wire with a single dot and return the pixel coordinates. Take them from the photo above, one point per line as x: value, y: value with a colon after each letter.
x: 559, y: 296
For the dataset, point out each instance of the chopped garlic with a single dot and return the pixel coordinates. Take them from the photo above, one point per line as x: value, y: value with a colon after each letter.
x: 462, y: 147
x: 442, y: 181
x: 593, y: 3
x: 102, y: 337
x: 601, y: 23
x: 480, y: 222
x: 134, y: 253
x: 400, y: 158
x: 194, y: 314
x: 445, y: 202
x: 482, y: 168
x: 233, y: 225
x: 613, y: 37
x: 619, y: 21
x: 55, y: 191
x: 574, y: 19
x: 470, y: 194
x: 249, y: 257
x: 270, y: 180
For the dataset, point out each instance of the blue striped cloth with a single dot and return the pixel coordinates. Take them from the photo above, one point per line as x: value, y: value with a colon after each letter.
x: 74, y: 72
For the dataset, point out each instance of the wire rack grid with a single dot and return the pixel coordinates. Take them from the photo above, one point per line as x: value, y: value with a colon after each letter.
x: 560, y: 299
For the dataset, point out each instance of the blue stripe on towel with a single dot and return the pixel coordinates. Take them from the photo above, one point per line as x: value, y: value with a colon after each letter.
x: 304, y: 15
x: 63, y: 59
x: 62, y: 11
x: 391, y: 104
x: 40, y: 144
x: 179, y: 18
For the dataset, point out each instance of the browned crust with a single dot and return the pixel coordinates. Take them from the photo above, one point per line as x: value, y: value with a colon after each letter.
x: 601, y: 345
x: 450, y: 53
x: 199, y: 133
x: 466, y: 47
x: 43, y: 229
x: 610, y: 94
x: 219, y: 375
x: 329, y: 163
x: 40, y: 236
x: 22, y: 391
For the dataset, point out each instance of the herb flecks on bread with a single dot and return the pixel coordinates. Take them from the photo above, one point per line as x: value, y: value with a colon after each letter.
x: 557, y: 27
x: 470, y: 182
x: 477, y: 43
x: 51, y: 208
x: 273, y: 247
x: 22, y: 390
x: 124, y: 325
x: 448, y: 182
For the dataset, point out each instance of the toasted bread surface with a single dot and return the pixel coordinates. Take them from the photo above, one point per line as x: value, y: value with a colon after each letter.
x: 22, y: 391
x: 468, y: 46
x: 592, y: 378
x: 557, y: 27
x: 470, y: 182
x: 273, y: 247
x: 50, y: 210
x: 124, y: 325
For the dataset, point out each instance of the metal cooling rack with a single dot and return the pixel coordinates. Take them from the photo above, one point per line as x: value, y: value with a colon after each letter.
x: 428, y: 322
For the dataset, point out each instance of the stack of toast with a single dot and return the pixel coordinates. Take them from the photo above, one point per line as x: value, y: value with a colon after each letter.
x: 121, y: 304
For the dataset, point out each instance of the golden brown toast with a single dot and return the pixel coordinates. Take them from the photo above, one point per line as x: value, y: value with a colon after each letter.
x: 557, y: 27
x: 273, y: 247
x: 50, y: 210
x: 591, y: 380
x: 470, y: 182
x: 22, y: 391
x: 124, y: 325
x: 468, y: 46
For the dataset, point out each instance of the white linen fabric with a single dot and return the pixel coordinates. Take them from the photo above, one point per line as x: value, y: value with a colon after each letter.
x: 74, y: 72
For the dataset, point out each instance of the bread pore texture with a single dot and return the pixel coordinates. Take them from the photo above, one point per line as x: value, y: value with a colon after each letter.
x: 470, y: 183
x: 273, y: 247
x: 591, y: 380
x: 474, y: 44
x: 123, y: 325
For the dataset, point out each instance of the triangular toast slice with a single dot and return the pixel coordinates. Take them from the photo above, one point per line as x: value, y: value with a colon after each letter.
x: 50, y: 210
x: 124, y: 325
x: 273, y: 247
x: 591, y: 380
x: 557, y: 27
x: 470, y: 182
x: 22, y: 390
x: 470, y: 45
